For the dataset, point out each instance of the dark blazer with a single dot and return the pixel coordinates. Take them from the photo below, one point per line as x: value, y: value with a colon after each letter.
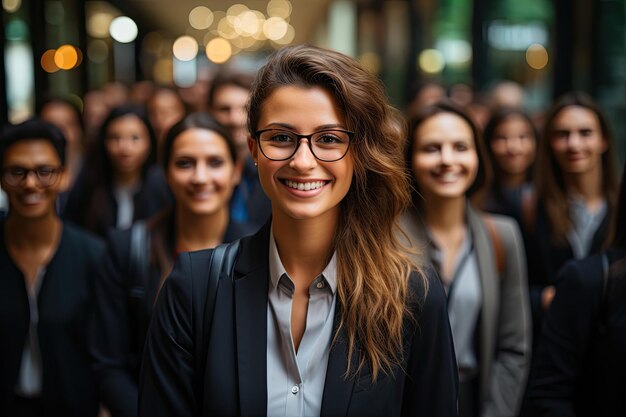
x: 545, y: 258
x: 124, y: 304
x: 580, y: 362
x: 503, y: 331
x: 96, y: 209
x: 234, y: 381
x: 64, y: 302
x: 250, y: 194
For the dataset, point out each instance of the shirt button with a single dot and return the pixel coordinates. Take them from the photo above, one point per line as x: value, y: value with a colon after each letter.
x: 295, y: 389
x: 320, y: 285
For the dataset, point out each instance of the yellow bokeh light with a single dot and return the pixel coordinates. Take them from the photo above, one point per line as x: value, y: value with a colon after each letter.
x: 11, y: 6
x: 185, y: 48
x: 47, y: 61
x: 247, y: 23
x: 66, y: 57
x: 537, y: 56
x: 431, y: 61
x: 275, y: 28
x: 236, y: 10
x: 219, y: 50
x: 201, y: 18
x: 279, y: 8
x: 98, y: 25
x: 288, y: 37
x: 226, y: 29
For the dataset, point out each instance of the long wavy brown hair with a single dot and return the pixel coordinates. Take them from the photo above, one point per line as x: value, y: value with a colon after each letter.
x: 550, y: 181
x: 373, y: 266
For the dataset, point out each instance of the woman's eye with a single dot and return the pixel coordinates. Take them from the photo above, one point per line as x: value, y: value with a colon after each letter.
x: 461, y: 146
x: 430, y: 148
x: 586, y: 132
x: 44, y: 172
x: 184, y: 164
x: 329, y: 139
x: 136, y: 137
x: 281, y: 137
x: 216, y: 162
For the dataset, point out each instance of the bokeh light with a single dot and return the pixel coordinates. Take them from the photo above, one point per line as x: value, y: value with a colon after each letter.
x: 219, y: 50
x: 163, y: 71
x: 288, y: 37
x: 185, y: 48
x: 431, y: 61
x: 537, y: 56
x: 279, y: 8
x: 66, y: 57
x: 11, y: 6
x: 201, y: 18
x: 275, y: 28
x: 123, y: 29
x: 98, y: 25
x: 47, y: 61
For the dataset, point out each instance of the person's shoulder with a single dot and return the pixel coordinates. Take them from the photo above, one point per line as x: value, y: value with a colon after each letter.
x: 87, y: 241
x: 582, y: 275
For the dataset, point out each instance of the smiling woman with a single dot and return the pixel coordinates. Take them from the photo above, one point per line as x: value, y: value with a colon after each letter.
x: 324, y: 313
x: 201, y: 170
x: 46, y: 268
x: 487, y: 296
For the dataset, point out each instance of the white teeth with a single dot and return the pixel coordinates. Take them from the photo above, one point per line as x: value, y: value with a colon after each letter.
x: 450, y: 176
x: 304, y: 186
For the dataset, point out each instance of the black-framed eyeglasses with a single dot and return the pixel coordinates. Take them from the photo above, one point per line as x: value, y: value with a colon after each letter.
x: 327, y: 145
x: 46, y: 175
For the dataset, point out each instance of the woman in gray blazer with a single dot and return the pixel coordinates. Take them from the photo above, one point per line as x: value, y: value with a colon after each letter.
x: 479, y: 257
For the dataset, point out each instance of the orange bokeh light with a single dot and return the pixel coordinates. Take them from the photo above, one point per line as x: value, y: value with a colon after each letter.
x: 47, y: 61
x: 66, y: 57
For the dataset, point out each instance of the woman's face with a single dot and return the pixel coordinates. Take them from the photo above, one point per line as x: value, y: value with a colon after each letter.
x: 513, y: 145
x: 201, y: 172
x: 127, y: 144
x: 303, y: 187
x: 34, y: 196
x: 576, y: 141
x: 445, y: 162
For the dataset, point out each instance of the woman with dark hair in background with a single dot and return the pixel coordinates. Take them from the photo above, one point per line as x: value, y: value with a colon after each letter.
x: 201, y: 169
x: 511, y: 144
x: 121, y: 185
x: 46, y: 283
x: 324, y: 313
x: 575, y: 193
x: 580, y: 364
x: 479, y: 258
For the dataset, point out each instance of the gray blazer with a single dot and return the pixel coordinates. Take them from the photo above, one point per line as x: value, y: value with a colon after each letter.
x: 505, y: 326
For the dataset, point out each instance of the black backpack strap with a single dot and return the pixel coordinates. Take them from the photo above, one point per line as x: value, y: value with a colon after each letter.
x: 221, y: 265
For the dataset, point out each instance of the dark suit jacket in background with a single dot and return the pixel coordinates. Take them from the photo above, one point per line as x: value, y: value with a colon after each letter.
x: 580, y: 364
x: 124, y: 304
x: 65, y: 301
x: 235, y: 377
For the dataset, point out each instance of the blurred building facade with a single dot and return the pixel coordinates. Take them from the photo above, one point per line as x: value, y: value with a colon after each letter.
x: 68, y: 47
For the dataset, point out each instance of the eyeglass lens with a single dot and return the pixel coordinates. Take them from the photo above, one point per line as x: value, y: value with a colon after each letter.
x: 46, y: 176
x: 327, y: 145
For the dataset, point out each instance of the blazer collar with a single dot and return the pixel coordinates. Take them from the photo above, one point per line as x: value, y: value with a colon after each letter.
x: 251, y: 291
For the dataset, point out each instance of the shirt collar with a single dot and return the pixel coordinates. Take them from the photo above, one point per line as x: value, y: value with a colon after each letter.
x: 277, y: 270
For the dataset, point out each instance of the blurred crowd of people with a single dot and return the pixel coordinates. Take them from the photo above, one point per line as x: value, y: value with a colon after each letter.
x: 523, y: 218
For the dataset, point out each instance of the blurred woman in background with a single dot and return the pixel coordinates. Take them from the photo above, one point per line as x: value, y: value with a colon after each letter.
x: 579, y: 365
x: 511, y: 144
x: 199, y: 159
x: 479, y: 258
x: 575, y: 193
x: 122, y: 184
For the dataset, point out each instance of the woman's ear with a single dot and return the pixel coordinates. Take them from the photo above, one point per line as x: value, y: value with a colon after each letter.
x: 254, y: 150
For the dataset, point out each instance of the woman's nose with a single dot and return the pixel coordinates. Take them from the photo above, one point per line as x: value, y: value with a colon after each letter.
x: 303, y: 158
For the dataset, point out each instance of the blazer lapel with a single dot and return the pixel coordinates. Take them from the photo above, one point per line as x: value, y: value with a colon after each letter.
x: 337, y: 389
x: 251, y: 286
